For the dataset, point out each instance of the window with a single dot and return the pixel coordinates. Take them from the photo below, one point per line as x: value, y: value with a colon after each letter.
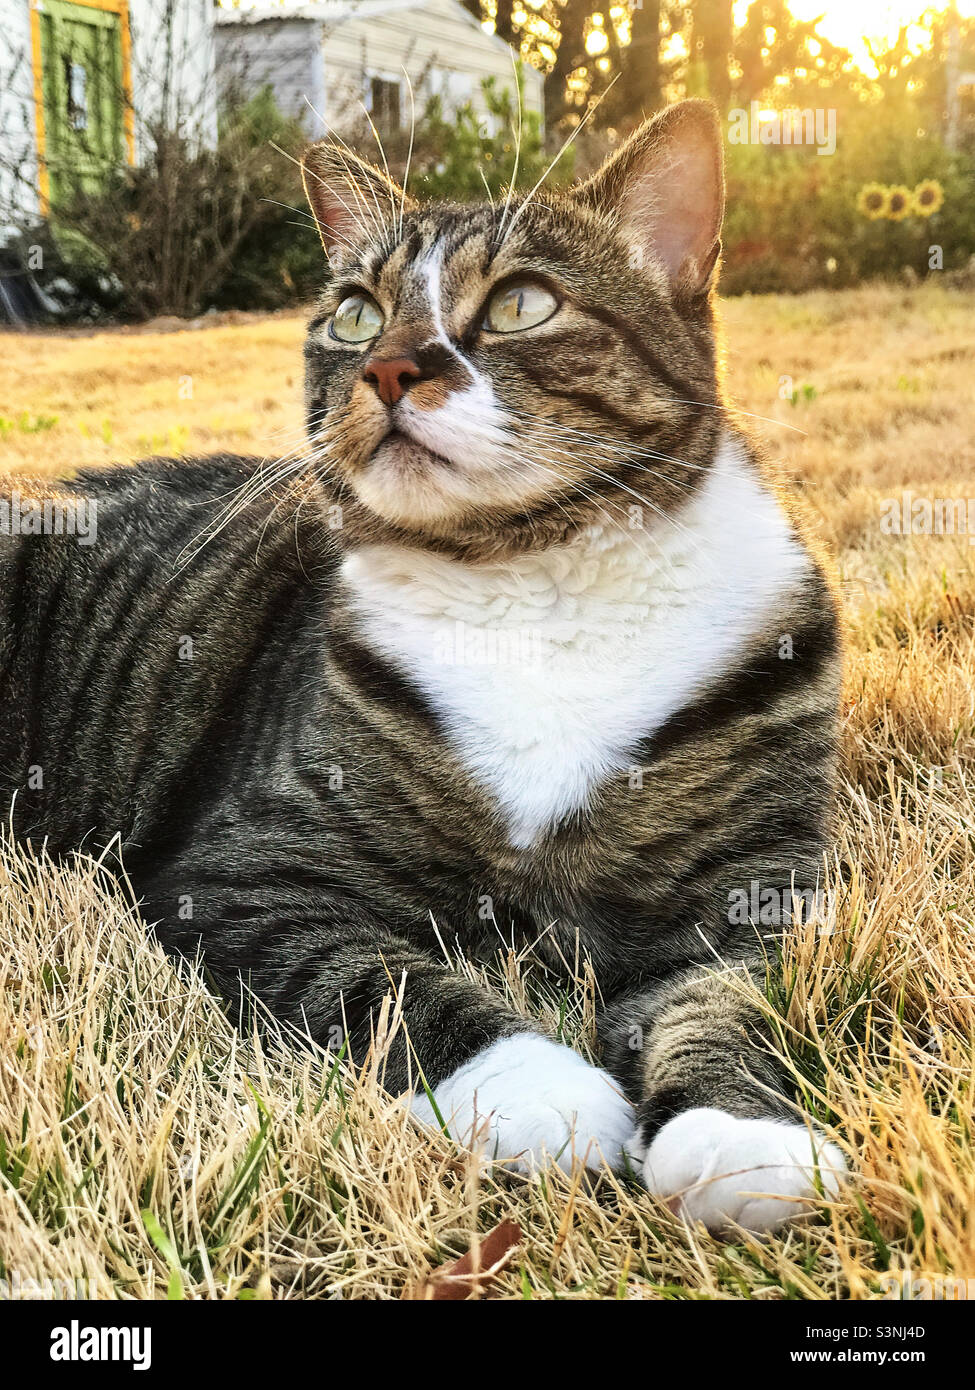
x: 76, y: 85
x: 385, y: 105
x: 455, y: 89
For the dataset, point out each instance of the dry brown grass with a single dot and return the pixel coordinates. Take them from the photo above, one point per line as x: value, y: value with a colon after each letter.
x: 124, y: 1091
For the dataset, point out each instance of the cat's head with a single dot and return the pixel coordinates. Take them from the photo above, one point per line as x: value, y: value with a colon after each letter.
x: 490, y: 377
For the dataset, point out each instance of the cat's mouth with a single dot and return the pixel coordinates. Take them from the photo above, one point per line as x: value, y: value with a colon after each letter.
x: 411, y: 484
x: 400, y: 451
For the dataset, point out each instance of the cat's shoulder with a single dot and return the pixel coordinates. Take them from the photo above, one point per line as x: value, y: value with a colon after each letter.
x: 195, y: 478
x: 202, y: 513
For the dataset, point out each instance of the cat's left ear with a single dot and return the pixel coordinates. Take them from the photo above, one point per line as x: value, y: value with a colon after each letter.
x: 665, y: 185
x: 350, y: 198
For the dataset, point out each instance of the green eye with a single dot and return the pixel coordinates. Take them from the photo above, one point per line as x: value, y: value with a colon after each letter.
x: 521, y: 305
x: 357, y: 319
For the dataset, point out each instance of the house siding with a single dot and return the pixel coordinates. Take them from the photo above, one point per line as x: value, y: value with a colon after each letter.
x: 18, y: 142
x: 320, y: 68
x: 283, y: 54
x: 185, y: 47
x: 440, y: 50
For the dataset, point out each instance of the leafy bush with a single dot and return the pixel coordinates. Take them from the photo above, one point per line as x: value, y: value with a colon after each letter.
x: 279, y: 258
x: 464, y: 157
x: 183, y: 231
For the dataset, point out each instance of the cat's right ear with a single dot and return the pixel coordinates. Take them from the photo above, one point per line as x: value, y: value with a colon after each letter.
x: 349, y: 197
x: 664, y: 187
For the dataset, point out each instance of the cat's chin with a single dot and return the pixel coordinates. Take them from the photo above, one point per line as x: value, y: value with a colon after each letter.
x: 409, y: 485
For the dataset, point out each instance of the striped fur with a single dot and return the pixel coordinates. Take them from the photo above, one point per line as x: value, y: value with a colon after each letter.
x: 296, y: 777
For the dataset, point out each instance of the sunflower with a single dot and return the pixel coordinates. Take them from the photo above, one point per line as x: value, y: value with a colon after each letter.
x: 872, y: 201
x: 900, y: 203
x: 928, y: 197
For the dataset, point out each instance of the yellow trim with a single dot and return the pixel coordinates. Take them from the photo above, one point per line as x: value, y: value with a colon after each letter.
x: 119, y: 7
x: 40, y: 134
x: 128, y: 109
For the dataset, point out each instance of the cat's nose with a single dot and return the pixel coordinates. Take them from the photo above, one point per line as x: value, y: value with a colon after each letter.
x: 391, y: 376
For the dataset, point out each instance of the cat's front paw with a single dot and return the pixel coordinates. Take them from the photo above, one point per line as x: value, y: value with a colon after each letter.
x: 531, y: 1100
x: 722, y: 1170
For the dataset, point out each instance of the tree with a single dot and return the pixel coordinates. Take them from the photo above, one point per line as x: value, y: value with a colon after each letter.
x: 571, y: 22
x: 772, y: 43
x: 638, y: 91
x: 712, y: 37
x: 503, y: 24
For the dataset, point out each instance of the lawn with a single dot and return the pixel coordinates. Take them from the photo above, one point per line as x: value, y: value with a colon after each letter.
x: 148, y: 1150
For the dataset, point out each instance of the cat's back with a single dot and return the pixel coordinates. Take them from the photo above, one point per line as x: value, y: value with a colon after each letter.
x: 165, y: 522
x: 135, y: 601
x: 52, y: 528
x: 110, y: 549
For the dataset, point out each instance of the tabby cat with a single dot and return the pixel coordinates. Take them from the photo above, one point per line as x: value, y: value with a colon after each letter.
x: 530, y: 651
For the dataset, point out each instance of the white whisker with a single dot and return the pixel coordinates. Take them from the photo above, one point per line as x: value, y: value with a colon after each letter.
x: 514, y: 172
x: 409, y: 152
x: 593, y: 106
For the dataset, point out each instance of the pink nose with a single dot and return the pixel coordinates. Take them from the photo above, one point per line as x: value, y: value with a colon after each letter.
x: 391, y: 376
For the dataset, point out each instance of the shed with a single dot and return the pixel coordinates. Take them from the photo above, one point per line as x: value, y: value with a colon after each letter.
x: 324, y: 61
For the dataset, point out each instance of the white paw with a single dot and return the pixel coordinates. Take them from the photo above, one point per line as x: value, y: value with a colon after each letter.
x: 716, y: 1168
x: 533, y: 1100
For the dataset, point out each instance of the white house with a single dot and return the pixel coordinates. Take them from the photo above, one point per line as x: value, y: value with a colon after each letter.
x: 326, y: 60
x: 82, y: 81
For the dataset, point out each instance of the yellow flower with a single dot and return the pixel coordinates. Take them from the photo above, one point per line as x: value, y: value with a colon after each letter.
x: 900, y: 203
x: 872, y: 201
x: 928, y: 197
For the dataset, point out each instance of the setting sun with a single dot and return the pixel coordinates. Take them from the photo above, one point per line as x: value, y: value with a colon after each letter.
x: 851, y: 24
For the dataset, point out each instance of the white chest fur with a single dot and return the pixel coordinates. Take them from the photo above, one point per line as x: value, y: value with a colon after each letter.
x: 547, y: 669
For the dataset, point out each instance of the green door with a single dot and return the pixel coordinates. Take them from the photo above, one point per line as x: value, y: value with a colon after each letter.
x: 81, y: 54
